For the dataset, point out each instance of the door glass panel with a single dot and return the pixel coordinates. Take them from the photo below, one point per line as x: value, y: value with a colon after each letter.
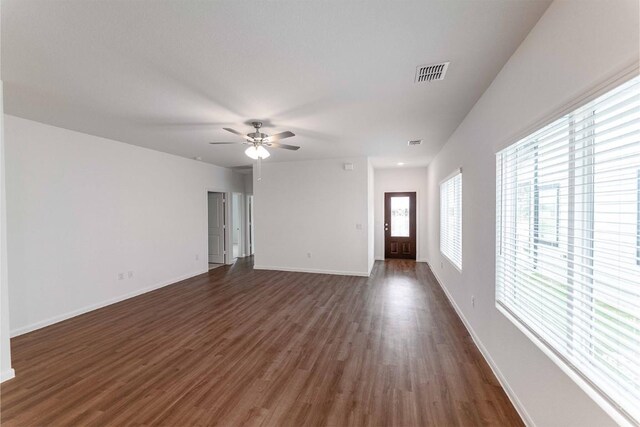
x: 400, y: 216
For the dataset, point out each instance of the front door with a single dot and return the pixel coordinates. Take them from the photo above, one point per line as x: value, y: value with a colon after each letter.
x: 216, y: 228
x: 400, y: 225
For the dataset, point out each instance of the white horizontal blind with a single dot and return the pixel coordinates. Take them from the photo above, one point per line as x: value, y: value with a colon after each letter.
x: 568, y: 241
x: 451, y: 219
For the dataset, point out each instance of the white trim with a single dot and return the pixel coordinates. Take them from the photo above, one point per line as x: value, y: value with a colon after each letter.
x: 241, y: 209
x: 226, y: 258
x: 526, y: 418
x: 600, y: 88
x: 7, y: 375
x: 450, y: 261
x: 312, y: 270
x: 457, y: 171
x: 607, y: 405
x: 88, y: 308
x: 417, y: 260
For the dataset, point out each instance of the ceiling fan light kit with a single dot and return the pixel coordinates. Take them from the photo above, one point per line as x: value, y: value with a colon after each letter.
x: 257, y: 142
x: 257, y: 152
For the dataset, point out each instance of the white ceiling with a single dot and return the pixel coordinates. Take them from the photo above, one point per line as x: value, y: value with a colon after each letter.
x: 168, y: 75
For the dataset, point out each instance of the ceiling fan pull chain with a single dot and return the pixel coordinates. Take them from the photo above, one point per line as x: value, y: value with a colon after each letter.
x: 259, y: 168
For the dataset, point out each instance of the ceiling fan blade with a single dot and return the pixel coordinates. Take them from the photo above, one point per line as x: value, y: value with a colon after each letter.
x: 235, y: 131
x: 218, y: 143
x: 279, y: 136
x: 285, y: 146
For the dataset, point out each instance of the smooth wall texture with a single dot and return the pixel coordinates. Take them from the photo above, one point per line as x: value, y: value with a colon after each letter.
x: 6, y: 372
x: 575, y: 46
x: 371, y: 208
x: 248, y: 192
x: 401, y: 179
x: 82, y: 210
x: 312, y: 216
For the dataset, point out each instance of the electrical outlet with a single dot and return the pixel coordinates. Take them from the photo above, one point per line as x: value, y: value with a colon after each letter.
x: 308, y: 254
x: 441, y: 264
x: 120, y: 276
x: 473, y: 301
x: 358, y: 226
x: 130, y: 274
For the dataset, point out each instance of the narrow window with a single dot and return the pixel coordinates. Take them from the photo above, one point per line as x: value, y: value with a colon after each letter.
x: 451, y: 219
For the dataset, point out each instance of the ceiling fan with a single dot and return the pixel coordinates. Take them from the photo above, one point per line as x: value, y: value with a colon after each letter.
x: 257, y: 141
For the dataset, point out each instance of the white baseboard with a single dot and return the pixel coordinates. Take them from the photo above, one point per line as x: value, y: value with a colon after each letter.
x: 496, y: 371
x: 86, y: 309
x: 312, y: 270
x: 417, y: 260
x: 7, y: 375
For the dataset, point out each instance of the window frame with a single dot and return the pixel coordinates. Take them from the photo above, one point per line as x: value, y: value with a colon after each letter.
x: 611, y: 407
x: 449, y: 178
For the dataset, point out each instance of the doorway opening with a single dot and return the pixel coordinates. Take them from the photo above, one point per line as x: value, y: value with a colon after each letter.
x: 400, y: 225
x: 216, y: 228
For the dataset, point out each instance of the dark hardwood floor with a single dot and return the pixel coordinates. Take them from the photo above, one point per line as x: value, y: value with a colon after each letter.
x: 241, y: 347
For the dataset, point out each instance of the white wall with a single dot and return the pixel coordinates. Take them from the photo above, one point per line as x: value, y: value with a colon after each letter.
x: 576, y: 44
x: 82, y: 209
x: 6, y: 372
x: 401, y: 179
x: 237, y: 224
x: 371, y: 208
x: 248, y: 183
x: 248, y: 192
x: 312, y: 207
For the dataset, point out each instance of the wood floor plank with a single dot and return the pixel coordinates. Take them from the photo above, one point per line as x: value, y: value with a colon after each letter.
x: 241, y: 347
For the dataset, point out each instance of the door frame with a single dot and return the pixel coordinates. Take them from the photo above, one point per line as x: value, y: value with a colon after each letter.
x: 241, y: 226
x: 379, y: 235
x: 249, y: 237
x: 227, y: 236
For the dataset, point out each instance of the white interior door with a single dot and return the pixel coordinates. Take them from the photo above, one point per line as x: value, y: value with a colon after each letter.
x: 216, y: 228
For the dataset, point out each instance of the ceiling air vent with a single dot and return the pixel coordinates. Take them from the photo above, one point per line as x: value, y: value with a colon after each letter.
x: 415, y: 142
x: 428, y: 73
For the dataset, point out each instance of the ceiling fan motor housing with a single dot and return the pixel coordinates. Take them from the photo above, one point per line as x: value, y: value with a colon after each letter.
x: 257, y: 135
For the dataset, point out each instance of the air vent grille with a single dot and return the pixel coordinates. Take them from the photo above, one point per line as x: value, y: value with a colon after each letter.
x: 428, y: 73
x: 415, y: 142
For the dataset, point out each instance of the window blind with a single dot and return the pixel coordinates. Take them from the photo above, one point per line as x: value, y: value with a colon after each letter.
x: 568, y: 242
x: 451, y: 219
